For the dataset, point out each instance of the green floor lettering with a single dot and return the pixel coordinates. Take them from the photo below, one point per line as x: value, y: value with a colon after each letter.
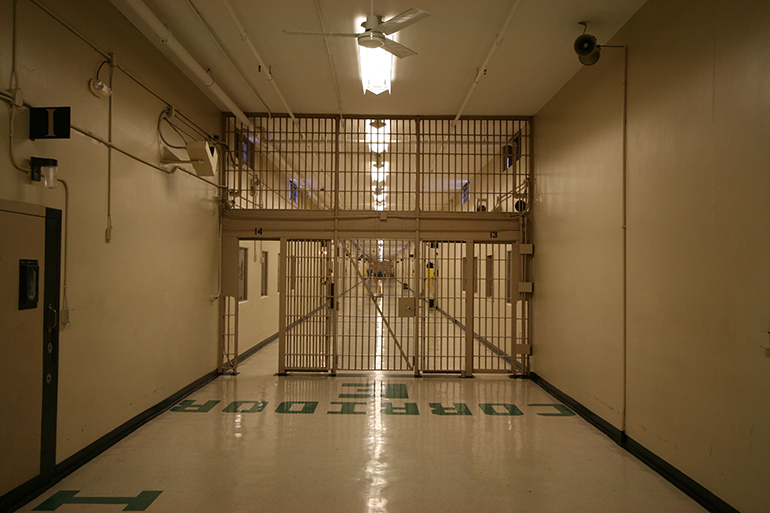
x: 257, y: 406
x: 563, y: 410
x: 510, y: 409
x: 394, y: 391
x: 139, y: 503
x: 363, y: 391
x: 367, y: 390
x: 407, y: 409
x: 347, y: 408
x: 458, y: 409
x: 307, y: 407
x: 189, y: 406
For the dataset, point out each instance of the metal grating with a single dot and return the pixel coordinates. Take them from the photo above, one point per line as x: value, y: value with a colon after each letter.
x: 308, y: 293
x: 474, y: 165
x: 228, y: 342
x: 443, y: 313
x: 374, y: 332
x: 384, y: 164
x: 494, y: 319
x: 394, y: 305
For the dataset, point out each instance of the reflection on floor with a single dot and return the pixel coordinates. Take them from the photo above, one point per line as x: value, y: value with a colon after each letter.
x: 364, y: 443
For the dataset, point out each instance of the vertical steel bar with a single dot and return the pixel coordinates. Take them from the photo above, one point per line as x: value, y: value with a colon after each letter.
x: 282, y: 312
x: 469, y: 325
x: 417, y: 319
x: 336, y: 166
x: 336, y: 298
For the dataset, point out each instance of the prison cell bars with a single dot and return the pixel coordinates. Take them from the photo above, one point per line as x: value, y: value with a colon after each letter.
x: 228, y: 343
x: 426, y: 164
x: 355, y: 324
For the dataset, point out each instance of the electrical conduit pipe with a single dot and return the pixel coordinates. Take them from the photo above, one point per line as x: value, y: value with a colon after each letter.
x: 164, y: 34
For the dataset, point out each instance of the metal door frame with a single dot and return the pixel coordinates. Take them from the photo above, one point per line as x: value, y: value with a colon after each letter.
x: 520, y: 345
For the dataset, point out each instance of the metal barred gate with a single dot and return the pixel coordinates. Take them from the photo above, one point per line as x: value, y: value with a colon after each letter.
x: 307, y: 326
x: 397, y: 305
x: 404, y: 239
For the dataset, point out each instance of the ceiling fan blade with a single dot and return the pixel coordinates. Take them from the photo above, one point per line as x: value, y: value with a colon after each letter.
x: 402, y: 20
x: 397, y: 49
x: 330, y: 34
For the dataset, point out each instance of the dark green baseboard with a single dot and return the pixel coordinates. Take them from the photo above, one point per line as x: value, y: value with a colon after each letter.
x: 689, y: 486
x: 30, y: 490
x: 258, y: 347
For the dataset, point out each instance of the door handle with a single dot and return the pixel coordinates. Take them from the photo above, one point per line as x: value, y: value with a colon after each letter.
x: 55, y: 319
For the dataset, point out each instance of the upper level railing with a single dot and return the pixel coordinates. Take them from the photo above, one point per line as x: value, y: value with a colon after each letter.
x: 389, y: 164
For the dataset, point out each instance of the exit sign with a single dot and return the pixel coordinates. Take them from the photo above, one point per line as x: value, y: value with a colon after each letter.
x: 49, y: 123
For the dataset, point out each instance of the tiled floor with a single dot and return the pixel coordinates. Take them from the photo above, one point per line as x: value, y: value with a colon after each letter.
x: 365, y: 443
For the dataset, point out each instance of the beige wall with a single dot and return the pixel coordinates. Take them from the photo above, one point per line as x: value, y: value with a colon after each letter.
x: 698, y: 247
x: 258, y: 315
x: 578, y: 232
x: 143, y: 325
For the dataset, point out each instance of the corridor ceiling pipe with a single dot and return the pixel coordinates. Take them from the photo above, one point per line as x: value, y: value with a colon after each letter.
x: 483, y: 69
x: 253, y: 50
x: 163, y: 33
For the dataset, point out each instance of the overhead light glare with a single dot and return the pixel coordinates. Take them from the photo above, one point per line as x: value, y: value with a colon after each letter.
x: 376, y: 69
x: 380, y: 174
x: 378, y: 136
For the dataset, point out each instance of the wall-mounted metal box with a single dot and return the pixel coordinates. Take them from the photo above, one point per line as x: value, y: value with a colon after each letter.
x: 406, y: 307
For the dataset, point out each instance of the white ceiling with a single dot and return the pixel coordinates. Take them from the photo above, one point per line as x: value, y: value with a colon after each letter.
x: 534, y: 60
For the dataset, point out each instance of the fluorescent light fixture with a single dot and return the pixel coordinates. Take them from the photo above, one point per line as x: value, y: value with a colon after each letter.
x: 378, y: 135
x: 380, y: 174
x: 376, y: 69
x: 379, y: 190
x: 378, y: 139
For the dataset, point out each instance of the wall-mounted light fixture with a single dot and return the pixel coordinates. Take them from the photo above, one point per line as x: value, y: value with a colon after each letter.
x: 96, y: 86
x: 99, y: 88
x: 47, y: 168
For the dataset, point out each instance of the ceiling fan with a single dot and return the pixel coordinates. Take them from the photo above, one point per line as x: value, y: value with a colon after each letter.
x: 376, y: 30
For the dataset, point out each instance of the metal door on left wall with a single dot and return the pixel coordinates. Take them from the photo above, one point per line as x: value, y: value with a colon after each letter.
x: 30, y: 255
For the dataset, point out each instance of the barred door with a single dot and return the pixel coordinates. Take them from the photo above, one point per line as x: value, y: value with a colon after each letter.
x: 307, y: 305
x: 495, y: 319
x: 376, y: 314
x: 443, y: 312
x: 393, y: 305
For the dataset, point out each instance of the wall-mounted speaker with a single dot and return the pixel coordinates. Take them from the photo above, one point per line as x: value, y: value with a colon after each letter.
x: 589, y: 60
x: 585, y: 45
x: 587, y: 48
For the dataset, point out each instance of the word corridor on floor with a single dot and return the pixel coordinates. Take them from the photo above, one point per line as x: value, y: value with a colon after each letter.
x: 374, y: 392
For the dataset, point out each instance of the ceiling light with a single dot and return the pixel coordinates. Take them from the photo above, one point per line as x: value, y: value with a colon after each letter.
x: 378, y: 136
x: 376, y: 69
x: 380, y: 174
